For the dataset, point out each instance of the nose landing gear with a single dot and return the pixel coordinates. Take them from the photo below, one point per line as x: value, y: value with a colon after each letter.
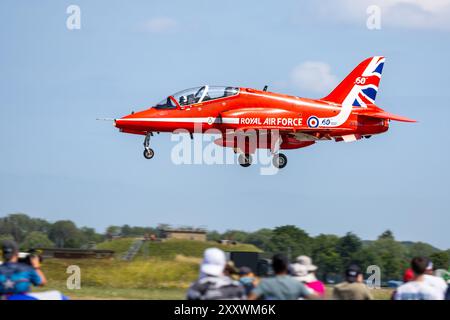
x: 148, y: 152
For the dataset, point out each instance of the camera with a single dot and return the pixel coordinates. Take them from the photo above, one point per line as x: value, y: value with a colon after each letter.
x: 25, y: 257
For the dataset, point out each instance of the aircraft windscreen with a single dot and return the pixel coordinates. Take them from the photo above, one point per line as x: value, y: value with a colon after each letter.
x: 202, y: 94
x: 166, y: 104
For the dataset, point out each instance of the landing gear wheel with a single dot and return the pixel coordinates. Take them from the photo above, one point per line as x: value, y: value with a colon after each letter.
x: 245, y: 160
x: 279, y: 161
x: 149, y: 153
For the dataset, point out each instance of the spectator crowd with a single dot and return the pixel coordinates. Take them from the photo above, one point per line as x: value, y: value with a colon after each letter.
x: 218, y: 279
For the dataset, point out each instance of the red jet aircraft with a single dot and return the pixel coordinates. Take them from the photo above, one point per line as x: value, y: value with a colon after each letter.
x: 347, y: 114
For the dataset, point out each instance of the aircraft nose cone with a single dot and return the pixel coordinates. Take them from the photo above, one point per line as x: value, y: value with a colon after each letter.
x: 118, y: 123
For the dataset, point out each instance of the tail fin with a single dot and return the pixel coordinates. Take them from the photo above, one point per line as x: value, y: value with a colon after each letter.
x: 360, y: 87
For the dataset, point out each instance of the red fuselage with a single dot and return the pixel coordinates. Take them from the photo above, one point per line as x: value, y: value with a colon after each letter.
x: 248, y: 119
x: 258, y: 110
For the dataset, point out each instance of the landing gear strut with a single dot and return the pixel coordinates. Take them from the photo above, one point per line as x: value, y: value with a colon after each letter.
x: 148, y: 152
x: 279, y: 160
x: 245, y: 160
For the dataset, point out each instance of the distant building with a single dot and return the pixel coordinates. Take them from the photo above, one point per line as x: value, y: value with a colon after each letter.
x: 184, y: 234
x: 227, y: 242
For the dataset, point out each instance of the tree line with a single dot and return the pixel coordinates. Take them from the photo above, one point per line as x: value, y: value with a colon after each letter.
x: 31, y: 232
x: 331, y: 253
x: 38, y: 233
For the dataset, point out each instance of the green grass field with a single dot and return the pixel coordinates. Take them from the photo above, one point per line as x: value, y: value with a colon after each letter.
x: 165, y: 273
x: 162, y: 270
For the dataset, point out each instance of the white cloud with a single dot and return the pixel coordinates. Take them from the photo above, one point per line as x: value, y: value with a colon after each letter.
x: 313, y: 76
x: 410, y: 14
x: 160, y: 25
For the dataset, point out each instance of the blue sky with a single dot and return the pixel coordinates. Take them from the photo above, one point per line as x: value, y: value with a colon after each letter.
x: 58, y: 162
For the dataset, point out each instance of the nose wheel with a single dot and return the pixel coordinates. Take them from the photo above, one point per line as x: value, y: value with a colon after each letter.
x: 279, y: 160
x: 148, y: 152
x: 245, y: 160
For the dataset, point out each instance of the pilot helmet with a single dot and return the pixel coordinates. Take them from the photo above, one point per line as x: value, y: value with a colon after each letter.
x: 183, y: 100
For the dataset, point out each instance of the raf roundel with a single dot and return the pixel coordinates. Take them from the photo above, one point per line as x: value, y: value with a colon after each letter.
x: 313, y: 122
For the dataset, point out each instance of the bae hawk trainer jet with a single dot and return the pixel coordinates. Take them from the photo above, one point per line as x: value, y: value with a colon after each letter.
x: 347, y: 114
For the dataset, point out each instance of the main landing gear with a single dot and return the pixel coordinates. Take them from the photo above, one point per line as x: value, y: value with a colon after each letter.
x: 148, y: 152
x: 279, y: 160
x: 245, y: 160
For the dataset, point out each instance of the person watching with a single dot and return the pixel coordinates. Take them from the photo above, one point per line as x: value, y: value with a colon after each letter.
x: 438, y: 283
x: 17, y: 278
x: 282, y: 286
x: 248, y: 279
x: 304, y: 271
x: 353, y: 288
x: 212, y: 283
x: 418, y: 288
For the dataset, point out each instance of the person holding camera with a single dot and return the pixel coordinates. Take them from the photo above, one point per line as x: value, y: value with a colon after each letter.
x: 17, y: 278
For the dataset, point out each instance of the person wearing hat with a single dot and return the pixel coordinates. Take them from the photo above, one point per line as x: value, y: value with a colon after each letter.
x: 282, y: 286
x: 17, y: 278
x: 304, y: 271
x: 212, y: 283
x: 353, y: 288
x: 247, y: 279
x: 231, y: 270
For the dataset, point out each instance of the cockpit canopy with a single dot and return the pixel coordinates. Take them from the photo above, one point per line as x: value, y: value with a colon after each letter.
x: 197, y: 95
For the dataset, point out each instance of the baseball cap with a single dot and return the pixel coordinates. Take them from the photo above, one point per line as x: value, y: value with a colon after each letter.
x: 244, y: 270
x: 9, y: 248
x: 352, y: 273
x: 214, y: 262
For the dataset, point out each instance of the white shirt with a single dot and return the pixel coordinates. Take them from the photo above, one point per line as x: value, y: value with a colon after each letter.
x: 437, y: 283
x: 417, y: 290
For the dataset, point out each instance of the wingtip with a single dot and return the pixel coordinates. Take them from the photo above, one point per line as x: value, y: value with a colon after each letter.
x: 404, y: 119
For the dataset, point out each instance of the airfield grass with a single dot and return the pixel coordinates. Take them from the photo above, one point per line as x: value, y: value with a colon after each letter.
x: 162, y: 271
x: 97, y: 293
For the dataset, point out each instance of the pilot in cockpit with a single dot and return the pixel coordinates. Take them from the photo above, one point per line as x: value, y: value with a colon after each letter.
x: 183, y: 101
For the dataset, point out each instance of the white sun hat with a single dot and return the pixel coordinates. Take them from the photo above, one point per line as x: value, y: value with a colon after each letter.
x: 306, y: 262
x: 301, y: 273
x: 214, y: 262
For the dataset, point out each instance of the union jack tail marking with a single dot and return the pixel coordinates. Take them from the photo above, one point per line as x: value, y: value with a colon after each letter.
x: 360, y: 87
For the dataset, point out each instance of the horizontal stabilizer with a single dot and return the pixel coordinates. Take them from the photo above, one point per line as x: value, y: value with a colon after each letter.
x: 387, y: 115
